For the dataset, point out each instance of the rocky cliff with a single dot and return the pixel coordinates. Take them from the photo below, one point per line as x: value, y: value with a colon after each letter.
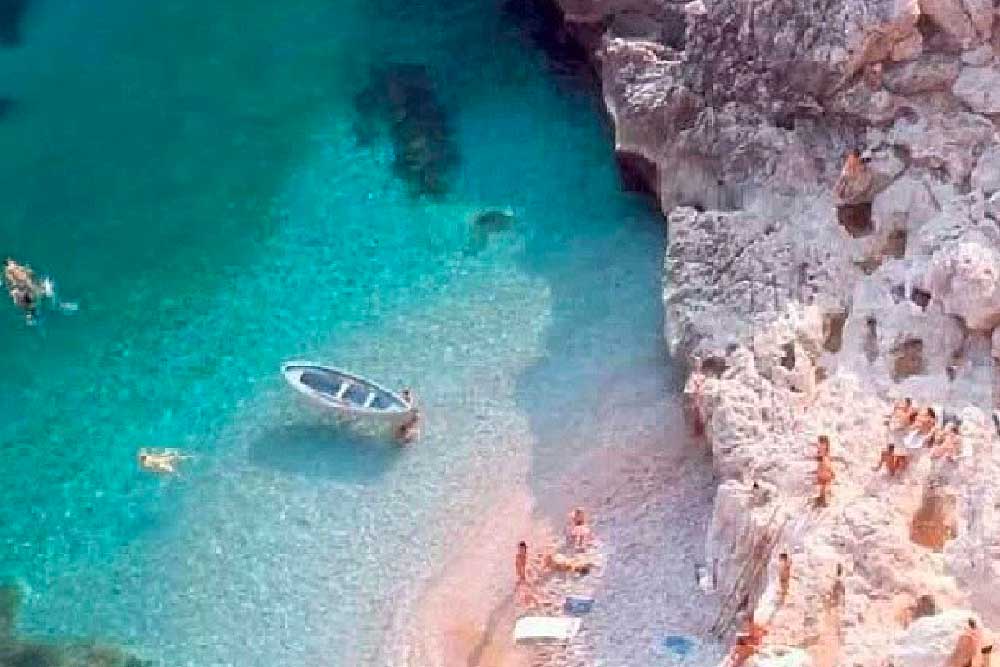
x: 830, y: 172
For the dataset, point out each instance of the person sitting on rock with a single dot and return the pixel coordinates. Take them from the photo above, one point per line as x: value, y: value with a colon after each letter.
x: 902, y: 415
x: 889, y: 460
x: 967, y: 648
x: 854, y: 186
x: 947, y: 442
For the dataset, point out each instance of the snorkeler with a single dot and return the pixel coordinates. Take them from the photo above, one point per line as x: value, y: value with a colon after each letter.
x: 162, y: 462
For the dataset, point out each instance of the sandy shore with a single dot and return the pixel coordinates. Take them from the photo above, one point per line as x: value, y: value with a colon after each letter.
x: 650, y: 499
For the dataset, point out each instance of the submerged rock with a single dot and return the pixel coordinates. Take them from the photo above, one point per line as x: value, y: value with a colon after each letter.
x: 11, y: 14
x: 403, y: 98
x: 29, y: 652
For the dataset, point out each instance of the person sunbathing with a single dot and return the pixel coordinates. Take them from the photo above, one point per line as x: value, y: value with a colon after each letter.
x: 577, y: 530
x: 161, y: 462
x: 948, y: 442
x: 556, y: 562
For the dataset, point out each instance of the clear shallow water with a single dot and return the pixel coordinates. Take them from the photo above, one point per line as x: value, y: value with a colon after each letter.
x: 190, y: 174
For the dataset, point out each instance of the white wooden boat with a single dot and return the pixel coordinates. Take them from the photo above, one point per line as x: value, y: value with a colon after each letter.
x: 345, y: 393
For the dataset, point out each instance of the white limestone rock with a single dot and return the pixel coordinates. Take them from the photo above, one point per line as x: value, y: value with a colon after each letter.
x: 929, y: 641
x: 952, y: 18
x: 979, y: 87
x: 948, y: 140
x: 931, y: 72
x: 906, y: 204
x: 986, y: 175
x: 965, y: 278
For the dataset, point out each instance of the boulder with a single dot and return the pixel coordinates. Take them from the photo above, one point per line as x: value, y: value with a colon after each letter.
x: 929, y: 641
x: 993, y: 206
x: 986, y: 175
x: 944, y: 140
x: 979, y: 87
x: 906, y: 204
x: 932, y: 72
x: 952, y: 18
x: 965, y: 278
x: 782, y: 657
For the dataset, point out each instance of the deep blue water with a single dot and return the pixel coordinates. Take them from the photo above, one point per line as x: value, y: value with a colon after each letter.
x: 199, y: 178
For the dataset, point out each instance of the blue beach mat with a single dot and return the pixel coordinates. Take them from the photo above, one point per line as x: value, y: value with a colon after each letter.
x: 678, y: 646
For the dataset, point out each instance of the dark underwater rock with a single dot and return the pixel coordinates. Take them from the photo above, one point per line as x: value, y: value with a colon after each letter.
x: 402, y: 98
x: 6, y: 106
x: 27, y: 652
x: 11, y: 14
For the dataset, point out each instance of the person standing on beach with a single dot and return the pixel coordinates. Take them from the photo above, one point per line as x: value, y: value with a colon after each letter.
x: 521, y: 563
x: 784, y: 575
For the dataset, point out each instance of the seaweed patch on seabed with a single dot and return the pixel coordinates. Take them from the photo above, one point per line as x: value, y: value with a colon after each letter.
x: 402, y: 96
x: 11, y: 14
x: 25, y: 652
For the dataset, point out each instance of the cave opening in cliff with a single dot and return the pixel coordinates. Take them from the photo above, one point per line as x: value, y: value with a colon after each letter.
x: 856, y: 219
x: 542, y: 24
x: 920, y: 297
x: 833, y: 331
x: 908, y: 359
x: 895, y: 244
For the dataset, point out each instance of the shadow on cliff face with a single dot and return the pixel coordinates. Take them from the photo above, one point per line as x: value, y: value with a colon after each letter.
x: 11, y: 15
x: 403, y: 98
x: 540, y: 23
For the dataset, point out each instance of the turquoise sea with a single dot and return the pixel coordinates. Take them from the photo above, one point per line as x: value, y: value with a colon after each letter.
x: 201, y: 178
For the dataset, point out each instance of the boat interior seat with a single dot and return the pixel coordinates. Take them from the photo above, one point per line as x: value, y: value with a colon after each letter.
x: 371, y: 399
x: 344, y: 386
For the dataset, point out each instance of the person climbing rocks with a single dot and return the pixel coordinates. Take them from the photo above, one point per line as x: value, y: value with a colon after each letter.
x: 824, y: 477
x: 784, y: 575
x: 854, y: 186
x: 694, y: 401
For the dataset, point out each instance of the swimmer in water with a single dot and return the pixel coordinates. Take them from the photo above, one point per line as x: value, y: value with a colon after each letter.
x: 162, y: 462
x: 409, y: 430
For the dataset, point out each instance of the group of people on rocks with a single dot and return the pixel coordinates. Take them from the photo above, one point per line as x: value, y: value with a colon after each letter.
x: 915, y: 430
x: 579, y: 537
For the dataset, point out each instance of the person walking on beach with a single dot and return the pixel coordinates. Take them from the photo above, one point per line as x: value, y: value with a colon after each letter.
x: 521, y: 562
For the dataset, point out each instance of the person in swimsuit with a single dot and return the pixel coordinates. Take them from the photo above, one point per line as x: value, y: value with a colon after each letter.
x: 968, y: 646
x: 824, y: 477
x: 889, y: 460
x: 557, y: 562
x: 577, y: 530
x: 162, y: 462
x: 784, y: 575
